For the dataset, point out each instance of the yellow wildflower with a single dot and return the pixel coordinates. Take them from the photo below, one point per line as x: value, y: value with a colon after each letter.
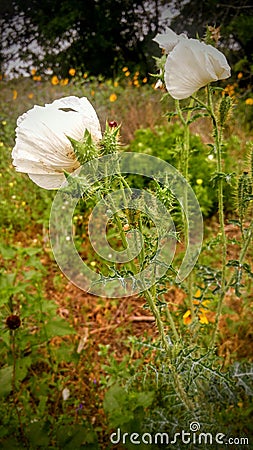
x: 113, y: 97
x: 206, y: 303
x: 33, y: 71
x: 4, y: 122
x: 203, y: 319
x: 23, y: 203
x: 85, y: 75
x: 11, y: 184
x: 30, y: 95
x: 240, y: 75
x: 72, y: 72
x: 37, y: 78
x: 199, y: 181
x: 64, y: 82
x: 136, y: 83
x: 197, y: 293
x: 115, y: 84
x: 54, y: 80
x: 249, y: 101
x: 145, y: 80
x: 187, y: 317
x: 125, y: 69
x: 15, y: 94
x: 127, y: 73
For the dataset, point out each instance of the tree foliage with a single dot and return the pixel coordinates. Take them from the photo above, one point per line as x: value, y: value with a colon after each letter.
x: 94, y: 35
x: 100, y: 36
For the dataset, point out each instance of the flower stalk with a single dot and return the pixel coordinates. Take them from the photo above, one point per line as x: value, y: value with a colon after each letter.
x: 217, y: 132
x: 185, y: 154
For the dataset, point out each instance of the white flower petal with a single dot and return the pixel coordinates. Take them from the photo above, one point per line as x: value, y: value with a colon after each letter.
x: 65, y: 394
x: 49, y: 181
x: 42, y: 148
x: 192, y: 65
x: 169, y: 39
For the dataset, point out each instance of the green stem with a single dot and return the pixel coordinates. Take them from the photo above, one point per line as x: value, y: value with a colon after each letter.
x: 218, y: 146
x: 13, y: 383
x: 185, y: 170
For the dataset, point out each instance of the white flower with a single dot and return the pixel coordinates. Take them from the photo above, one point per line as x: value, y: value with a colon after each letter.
x: 65, y: 394
x: 190, y: 64
x: 42, y: 149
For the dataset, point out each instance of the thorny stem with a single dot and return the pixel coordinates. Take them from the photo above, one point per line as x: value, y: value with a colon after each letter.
x: 218, y: 146
x: 184, y: 169
x: 150, y: 295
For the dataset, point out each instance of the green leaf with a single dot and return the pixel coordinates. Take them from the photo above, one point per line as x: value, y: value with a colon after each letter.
x: 38, y: 434
x: 58, y: 327
x: 5, y: 380
x: 77, y: 437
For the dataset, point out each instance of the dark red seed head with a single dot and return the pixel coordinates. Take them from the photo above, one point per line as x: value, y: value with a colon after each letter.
x: 113, y: 124
x: 13, y: 322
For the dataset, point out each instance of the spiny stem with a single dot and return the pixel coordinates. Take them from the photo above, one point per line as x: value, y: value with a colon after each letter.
x: 185, y: 169
x: 218, y: 146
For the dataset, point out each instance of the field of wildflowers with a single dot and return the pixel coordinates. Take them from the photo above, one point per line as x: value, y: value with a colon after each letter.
x: 154, y: 346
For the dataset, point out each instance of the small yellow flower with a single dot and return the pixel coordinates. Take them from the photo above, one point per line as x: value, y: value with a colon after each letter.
x: 93, y: 263
x: 115, y: 84
x: 198, y: 291
x: 199, y: 181
x: 4, y: 122
x: 187, y: 317
x: 113, y: 97
x: 136, y: 83
x: 37, y: 78
x: 33, y: 71
x: 249, y: 101
x: 64, y: 82
x: 15, y: 94
x: 240, y: 75
x: 127, y: 73
x: 1, y: 145
x: 145, y: 80
x: 23, y: 203
x: 92, y: 93
x: 203, y: 319
x: 85, y: 75
x: 206, y: 303
x: 125, y: 69
x: 11, y: 184
x: 72, y: 72
x: 31, y: 95
x: 54, y: 80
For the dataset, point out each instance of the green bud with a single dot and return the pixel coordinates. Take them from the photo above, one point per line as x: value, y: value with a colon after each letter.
x: 226, y: 105
x: 86, y: 149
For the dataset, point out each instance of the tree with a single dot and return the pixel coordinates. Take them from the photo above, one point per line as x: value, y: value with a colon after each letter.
x: 94, y: 35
